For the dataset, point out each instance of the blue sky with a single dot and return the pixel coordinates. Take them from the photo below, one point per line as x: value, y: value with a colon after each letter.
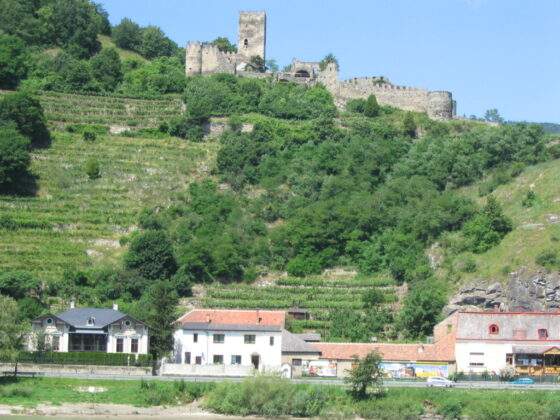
x: 501, y: 54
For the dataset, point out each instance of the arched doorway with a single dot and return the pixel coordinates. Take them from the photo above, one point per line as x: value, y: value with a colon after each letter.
x: 302, y: 73
x: 255, y: 360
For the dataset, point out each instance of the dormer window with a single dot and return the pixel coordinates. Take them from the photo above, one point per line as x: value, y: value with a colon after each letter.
x: 126, y: 323
x: 543, y: 334
x: 91, y: 321
x: 493, y: 329
x: 49, y: 321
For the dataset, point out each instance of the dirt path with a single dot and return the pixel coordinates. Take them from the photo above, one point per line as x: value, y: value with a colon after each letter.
x: 112, y: 411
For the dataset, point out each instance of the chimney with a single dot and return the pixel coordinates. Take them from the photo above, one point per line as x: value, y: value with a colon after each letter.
x: 115, y: 306
x: 72, y: 304
x: 259, y: 319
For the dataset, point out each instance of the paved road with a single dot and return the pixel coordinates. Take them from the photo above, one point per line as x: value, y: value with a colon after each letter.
x: 334, y: 381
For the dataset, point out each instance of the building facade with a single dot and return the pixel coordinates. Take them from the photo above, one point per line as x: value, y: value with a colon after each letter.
x: 528, y: 342
x: 89, y: 329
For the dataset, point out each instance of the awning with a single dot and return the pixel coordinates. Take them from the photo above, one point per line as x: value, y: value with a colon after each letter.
x: 99, y: 332
x: 536, y: 350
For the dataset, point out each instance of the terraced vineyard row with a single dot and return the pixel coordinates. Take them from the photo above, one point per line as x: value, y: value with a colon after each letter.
x: 320, y: 296
x: 72, y: 220
x: 107, y: 110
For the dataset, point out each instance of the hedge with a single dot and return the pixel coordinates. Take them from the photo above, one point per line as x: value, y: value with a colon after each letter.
x: 85, y: 358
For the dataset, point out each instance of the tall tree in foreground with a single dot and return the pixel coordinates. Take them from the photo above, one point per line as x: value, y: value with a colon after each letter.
x: 366, y: 373
x: 12, y: 332
x: 160, y: 316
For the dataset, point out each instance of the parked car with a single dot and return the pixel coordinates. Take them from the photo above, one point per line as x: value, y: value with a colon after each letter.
x: 523, y: 381
x: 438, y: 381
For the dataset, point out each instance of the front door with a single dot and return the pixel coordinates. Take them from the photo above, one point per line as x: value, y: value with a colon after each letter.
x: 255, y: 359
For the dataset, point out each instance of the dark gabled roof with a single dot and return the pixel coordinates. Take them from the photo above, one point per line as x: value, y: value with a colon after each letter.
x: 309, y: 337
x: 78, y: 317
x: 291, y: 343
x: 210, y: 326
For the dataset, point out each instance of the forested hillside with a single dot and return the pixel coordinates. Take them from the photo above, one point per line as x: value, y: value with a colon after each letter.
x: 112, y: 191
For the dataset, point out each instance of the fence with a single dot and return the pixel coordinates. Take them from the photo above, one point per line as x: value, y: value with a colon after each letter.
x: 84, y: 358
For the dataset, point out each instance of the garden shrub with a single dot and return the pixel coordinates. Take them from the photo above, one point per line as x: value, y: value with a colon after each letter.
x: 92, y: 169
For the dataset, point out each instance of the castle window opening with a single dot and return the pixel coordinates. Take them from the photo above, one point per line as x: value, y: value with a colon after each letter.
x: 246, y: 42
x: 302, y: 73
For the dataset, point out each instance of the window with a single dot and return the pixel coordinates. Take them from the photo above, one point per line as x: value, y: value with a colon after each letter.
x: 218, y: 338
x: 235, y: 359
x: 188, y: 357
x: 218, y: 359
x: 49, y: 321
x: 91, y: 321
x: 493, y: 329
x: 249, y: 339
x: 246, y: 42
x: 127, y: 323
x: 271, y: 341
x: 296, y: 362
x: 120, y: 345
x: 134, y: 345
x: 543, y: 334
x: 198, y: 360
x: 55, y: 343
x: 195, y: 338
x: 476, y: 359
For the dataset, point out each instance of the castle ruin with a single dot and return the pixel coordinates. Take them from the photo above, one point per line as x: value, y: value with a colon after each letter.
x: 205, y: 58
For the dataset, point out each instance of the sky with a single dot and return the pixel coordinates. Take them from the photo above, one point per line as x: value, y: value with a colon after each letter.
x: 500, y: 54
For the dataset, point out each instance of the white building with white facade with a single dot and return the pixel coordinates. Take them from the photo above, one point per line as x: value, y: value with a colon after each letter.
x: 227, y: 342
x: 90, y: 330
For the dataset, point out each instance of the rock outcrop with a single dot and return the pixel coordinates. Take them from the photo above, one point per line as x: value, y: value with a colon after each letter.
x: 525, y: 290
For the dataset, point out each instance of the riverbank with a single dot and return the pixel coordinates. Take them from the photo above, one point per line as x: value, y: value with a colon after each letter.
x: 262, y: 396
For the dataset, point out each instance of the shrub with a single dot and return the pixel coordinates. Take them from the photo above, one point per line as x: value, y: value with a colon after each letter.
x: 89, y: 135
x: 529, y: 199
x: 85, y: 358
x: 548, y: 259
x: 356, y: 105
x: 365, y: 373
x: 451, y: 409
x: 92, y: 169
x: 106, y: 69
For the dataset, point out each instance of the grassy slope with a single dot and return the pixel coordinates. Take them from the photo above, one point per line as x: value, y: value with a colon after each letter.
x: 73, y: 221
x: 107, y: 42
x: 533, y: 230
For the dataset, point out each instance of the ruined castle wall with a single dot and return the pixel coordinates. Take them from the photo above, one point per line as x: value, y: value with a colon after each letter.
x: 216, y: 61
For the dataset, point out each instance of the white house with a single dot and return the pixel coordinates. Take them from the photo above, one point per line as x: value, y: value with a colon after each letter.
x: 529, y: 342
x: 91, y: 329
x: 227, y: 342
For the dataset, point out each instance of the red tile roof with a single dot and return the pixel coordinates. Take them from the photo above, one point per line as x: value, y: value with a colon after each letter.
x: 235, y: 317
x: 388, y: 351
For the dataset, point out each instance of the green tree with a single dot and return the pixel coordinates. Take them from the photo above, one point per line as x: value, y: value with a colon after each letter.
x: 19, y: 284
x: 161, y: 314
x: 371, y: 107
x: 348, y: 326
x: 13, y: 61
x: 492, y: 115
x: 14, y: 159
x: 151, y: 255
x: 75, y: 25
x: 159, y: 76
x: 128, y: 35
x: 366, y: 373
x: 106, y: 69
x: 328, y: 59
x: 25, y: 111
x: 409, y: 125
x: 155, y: 44
x: 256, y: 62
x: 12, y: 331
x: 486, y: 229
x: 224, y: 45
x: 104, y: 25
x: 421, y: 309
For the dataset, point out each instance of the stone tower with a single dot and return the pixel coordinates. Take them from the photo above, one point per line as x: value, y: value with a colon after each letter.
x: 252, y: 34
